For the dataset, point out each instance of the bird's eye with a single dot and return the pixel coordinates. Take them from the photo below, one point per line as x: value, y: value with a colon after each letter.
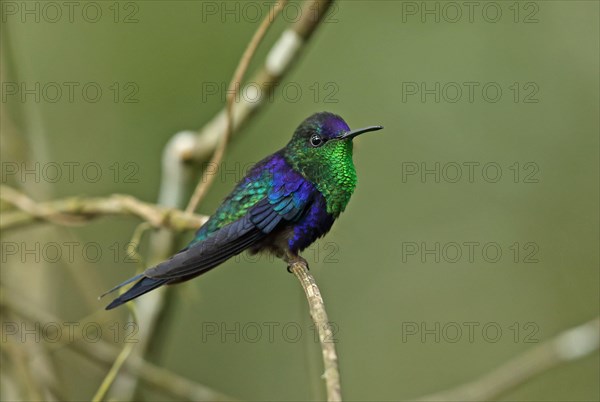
x: 316, y: 140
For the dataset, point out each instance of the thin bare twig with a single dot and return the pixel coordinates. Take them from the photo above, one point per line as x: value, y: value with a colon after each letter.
x: 110, y: 377
x: 33, y: 209
x: 278, y: 62
x: 106, y: 354
x: 112, y: 373
x: 232, y: 91
x: 568, y: 345
x: 319, y: 316
x: 82, y: 209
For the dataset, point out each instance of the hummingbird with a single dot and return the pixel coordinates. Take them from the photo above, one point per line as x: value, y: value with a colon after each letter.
x: 283, y: 204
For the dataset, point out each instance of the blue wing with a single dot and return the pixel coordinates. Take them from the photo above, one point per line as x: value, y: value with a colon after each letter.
x: 285, y: 202
x: 287, y: 199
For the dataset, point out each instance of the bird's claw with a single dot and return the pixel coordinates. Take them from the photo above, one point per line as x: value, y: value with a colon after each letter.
x: 296, y: 259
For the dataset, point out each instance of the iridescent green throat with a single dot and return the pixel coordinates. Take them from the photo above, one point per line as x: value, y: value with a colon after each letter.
x: 329, y: 168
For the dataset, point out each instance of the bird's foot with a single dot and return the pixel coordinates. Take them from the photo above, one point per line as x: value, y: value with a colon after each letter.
x: 291, y: 260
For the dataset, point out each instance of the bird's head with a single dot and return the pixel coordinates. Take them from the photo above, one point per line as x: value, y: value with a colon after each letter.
x: 322, y: 144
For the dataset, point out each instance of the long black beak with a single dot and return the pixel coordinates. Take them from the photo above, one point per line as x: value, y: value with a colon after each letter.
x: 354, y: 133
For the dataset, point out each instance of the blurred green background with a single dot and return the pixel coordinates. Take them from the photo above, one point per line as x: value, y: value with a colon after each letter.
x: 365, y: 62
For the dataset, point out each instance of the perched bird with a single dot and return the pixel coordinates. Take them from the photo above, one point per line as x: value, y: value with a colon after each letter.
x: 284, y: 203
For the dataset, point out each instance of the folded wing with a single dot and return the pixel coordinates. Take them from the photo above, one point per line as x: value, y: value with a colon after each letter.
x: 285, y: 201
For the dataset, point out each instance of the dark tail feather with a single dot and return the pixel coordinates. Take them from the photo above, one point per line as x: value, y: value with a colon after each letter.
x: 141, y: 287
x: 119, y: 286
